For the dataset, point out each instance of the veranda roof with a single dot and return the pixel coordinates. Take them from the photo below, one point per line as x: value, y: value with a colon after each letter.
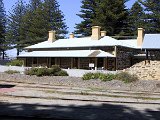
x: 69, y: 53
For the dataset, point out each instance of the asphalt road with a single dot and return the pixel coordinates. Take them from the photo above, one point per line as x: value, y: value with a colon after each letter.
x: 23, y: 108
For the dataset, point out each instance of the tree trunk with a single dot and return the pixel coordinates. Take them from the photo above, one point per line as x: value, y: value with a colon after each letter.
x: 17, y: 52
x: 3, y: 54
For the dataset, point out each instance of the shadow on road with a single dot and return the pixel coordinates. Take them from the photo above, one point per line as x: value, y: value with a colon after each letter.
x: 86, y: 112
x: 6, y: 86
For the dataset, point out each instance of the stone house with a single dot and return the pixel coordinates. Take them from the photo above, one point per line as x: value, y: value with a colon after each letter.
x: 98, y: 51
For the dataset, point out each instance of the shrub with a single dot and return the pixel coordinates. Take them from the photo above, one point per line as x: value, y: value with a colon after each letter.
x: 53, y: 70
x: 31, y: 71
x: 42, y: 72
x: 107, y: 77
x: 126, y: 77
x: 56, y: 71
x: 97, y: 75
x: 88, y: 76
x: 11, y: 71
x: 101, y: 76
x: 61, y: 73
x: 15, y: 63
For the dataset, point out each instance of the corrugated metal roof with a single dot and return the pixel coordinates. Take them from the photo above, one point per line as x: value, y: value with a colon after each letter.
x: 151, y: 41
x: 131, y: 43
x: 69, y: 53
x: 85, y: 42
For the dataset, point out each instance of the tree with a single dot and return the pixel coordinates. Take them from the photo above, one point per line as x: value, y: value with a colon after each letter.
x: 110, y: 15
x: 87, y: 14
x: 15, y: 29
x: 136, y: 18
x: 3, y: 42
x: 39, y: 21
x: 34, y: 4
x: 55, y: 18
x: 152, y: 10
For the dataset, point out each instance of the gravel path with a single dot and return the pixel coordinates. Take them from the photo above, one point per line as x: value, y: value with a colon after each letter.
x: 142, y: 85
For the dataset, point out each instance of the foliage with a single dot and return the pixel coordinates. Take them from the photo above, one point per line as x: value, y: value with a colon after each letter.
x: 55, y: 71
x: 34, y: 4
x: 31, y: 71
x: 123, y: 76
x: 152, y: 16
x: 87, y: 14
x: 42, y: 72
x: 55, y: 68
x: 42, y: 17
x: 101, y: 76
x: 55, y: 18
x: 136, y: 18
x: 29, y: 24
x: 15, y: 31
x: 61, y: 73
x: 110, y: 15
x: 88, y: 76
x: 11, y: 71
x: 107, y: 77
x: 3, y: 42
x: 126, y: 77
x: 16, y: 63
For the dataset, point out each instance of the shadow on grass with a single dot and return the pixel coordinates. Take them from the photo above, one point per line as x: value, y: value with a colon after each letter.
x: 86, y: 112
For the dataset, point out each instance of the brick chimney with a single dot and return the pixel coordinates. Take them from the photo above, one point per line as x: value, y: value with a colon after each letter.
x: 71, y: 35
x: 140, y: 37
x: 52, y: 36
x: 103, y: 33
x: 96, y: 33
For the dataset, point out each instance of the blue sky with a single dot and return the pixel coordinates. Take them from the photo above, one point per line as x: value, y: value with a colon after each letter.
x: 69, y: 7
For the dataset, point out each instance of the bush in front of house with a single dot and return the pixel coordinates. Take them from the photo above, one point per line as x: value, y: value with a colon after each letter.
x: 88, y: 76
x: 126, y: 77
x: 42, y: 72
x: 55, y: 68
x: 54, y: 71
x: 61, y: 73
x: 123, y: 76
x: 15, y: 63
x: 31, y: 71
x: 107, y: 77
x: 11, y: 71
x: 101, y: 76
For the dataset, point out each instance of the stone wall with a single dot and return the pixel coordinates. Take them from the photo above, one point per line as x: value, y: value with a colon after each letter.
x: 111, y: 64
x: 154, y: 55
x: 123, y: 58
x: 146, y: 70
